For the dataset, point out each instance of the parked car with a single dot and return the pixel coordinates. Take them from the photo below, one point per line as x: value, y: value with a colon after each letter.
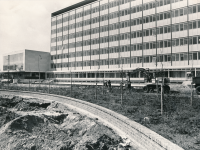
x: 7, y: 81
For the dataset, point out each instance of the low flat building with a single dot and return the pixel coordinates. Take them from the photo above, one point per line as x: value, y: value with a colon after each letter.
x: 25, y: 64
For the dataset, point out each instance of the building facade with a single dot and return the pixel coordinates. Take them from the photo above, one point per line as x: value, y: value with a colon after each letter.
x: 26, y: 64
x: 99, y: 38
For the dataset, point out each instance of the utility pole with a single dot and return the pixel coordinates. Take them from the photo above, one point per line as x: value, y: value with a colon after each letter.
x: 8, y: 73
x: 39, y: 57
x: 71, y: 83
x: 122, y: 81
x: 192, y: 95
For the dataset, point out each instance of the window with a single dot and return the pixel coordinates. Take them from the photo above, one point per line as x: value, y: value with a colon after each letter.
x: 169, y: 43
x: 161, y: 44
x: 177, y: 57
x: 161, y: 30
x: 194, y: 9
x: 190, y: 10
x: 198, y: 8
x: 147, y: 32
x: 181, y: 27
x: 150, y: 18
x: 181, y: 57
x: 169, y: 29
x: 190, y: 25
x: 199, y: 39
x: 161, y: 16
x: 181, y: 42
x: 161, y: 3
x: 199, y: 24
x: 181, y: 12
x: 165, y: 44
x: 165, y: 15
x: 194, y: 25
x: 185, y: 11
x: 177, y: 42
x: 173, y: 43
x: 185, y: 26
x: 195, y: 56
x: 177, y: 27
x: 185, y: 41
x: 176, y: 13
x: 194, y: 40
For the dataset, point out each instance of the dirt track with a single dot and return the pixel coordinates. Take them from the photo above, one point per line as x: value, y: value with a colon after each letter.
x: 32, y: 124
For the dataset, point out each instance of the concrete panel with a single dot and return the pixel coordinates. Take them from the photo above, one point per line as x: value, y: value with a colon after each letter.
x: 34, y: 62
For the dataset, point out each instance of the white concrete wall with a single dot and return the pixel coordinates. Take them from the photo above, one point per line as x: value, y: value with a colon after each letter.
x: 31, y: 61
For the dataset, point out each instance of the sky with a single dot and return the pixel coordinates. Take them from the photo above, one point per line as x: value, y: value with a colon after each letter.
x: 26, y: 24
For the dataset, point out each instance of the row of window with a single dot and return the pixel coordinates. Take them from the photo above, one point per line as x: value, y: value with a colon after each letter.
x: 149, y: 32
x: 134, y: 47
x: 125, y: 36
x: 135, y: 9
x: 133, y: 60
x: 137, y: 21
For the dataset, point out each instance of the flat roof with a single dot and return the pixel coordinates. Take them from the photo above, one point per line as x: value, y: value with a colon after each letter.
x: 85, y: 2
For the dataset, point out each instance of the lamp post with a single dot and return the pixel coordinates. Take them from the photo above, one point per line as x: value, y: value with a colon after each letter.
x: 39, y: 57
x: 8, y: 73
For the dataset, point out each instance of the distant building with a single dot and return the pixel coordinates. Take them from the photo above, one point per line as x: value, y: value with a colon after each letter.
x: 110, y: 35
x: 26, y: 64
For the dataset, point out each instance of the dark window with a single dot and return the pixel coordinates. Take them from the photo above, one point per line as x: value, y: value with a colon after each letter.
x: 177, y: 42
x: 185, y: 26
x: 181, y: 27
x: 165, y: 29
x: 194, y: 56
x: 150, y: 18
x: 194, y: 40
x: 198, y: 24
x: 181, y: 12
x: 190, y: 25
x: 146, y: 33
x: 147, y: 19
x: 194, y: 25
x: 199, y: 8
x: 161, y: 16
x: 165, y: 44
x: 161, y: 30
x: 161, y: 3
x: 185, y: 11
x: 176, y: 13
x: 185, y: 41
x: 165, y: 15
x: 194, y: 9
x: 169, y: 29
x: 190, y: 10
x: 177, y: 57
x: 199, y: 39
x: 169, y: 43
x: 161, y: 44
x: 181, y: 42
x: 177, y: 27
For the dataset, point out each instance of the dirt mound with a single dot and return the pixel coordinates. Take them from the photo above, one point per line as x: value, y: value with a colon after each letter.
x: 50, y: 126
x: 9, y: 101
x: 6, y: 116
x: 30, y: 106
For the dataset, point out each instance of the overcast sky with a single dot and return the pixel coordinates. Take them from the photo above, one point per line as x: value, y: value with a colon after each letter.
x: 26, y: 24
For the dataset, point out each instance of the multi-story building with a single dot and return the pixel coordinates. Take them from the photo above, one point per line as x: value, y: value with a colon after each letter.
x: 99, y: 38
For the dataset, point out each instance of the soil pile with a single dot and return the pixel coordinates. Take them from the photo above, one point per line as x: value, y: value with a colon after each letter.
x: 30, y: 124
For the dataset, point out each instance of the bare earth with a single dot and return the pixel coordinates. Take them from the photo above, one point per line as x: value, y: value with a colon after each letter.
x: 33, y: 124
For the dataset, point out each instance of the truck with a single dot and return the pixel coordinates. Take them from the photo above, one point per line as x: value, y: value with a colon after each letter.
x: 195, y: 81
x: 150, y: 86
